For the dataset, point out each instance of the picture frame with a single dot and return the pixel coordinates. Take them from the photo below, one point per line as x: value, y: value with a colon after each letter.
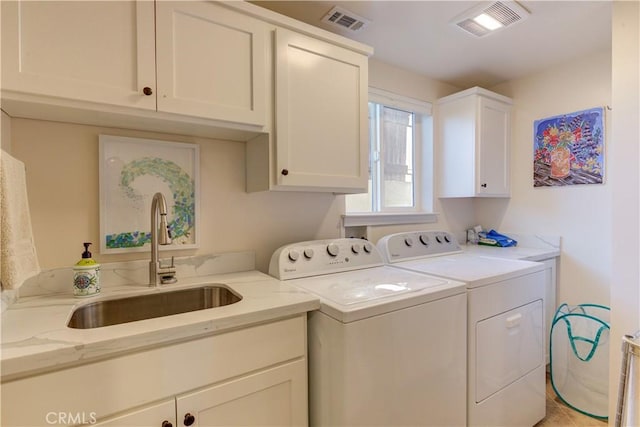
x: 569, y: 149
x: 131, y: 171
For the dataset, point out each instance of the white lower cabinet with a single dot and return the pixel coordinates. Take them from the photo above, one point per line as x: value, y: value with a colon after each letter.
x: 275, y: 396
x: 161, y: 415
x: 251, y: 377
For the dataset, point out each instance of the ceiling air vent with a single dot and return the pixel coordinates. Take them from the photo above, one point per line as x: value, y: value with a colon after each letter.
x: 490, y: 16
x: 343, y: 18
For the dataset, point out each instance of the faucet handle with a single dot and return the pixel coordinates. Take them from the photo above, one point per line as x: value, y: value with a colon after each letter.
x: 172, y: 265
x: 167, y: 273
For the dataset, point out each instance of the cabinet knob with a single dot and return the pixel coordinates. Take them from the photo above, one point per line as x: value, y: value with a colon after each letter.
x: 166, y: 423
x: 189, y: 419
x: 285, y: 172
x: 147, y: 91
x: 484, y: 185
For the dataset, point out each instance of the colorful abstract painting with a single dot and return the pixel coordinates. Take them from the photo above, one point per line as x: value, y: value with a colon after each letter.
x: 568, y: 149
x: 132, y: 170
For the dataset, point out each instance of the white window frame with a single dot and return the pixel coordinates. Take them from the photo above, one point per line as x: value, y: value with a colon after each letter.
x: 422, y: 211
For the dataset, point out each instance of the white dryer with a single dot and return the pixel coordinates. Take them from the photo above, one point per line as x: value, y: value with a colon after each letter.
x: 387, y: 347
x: 506, y: 369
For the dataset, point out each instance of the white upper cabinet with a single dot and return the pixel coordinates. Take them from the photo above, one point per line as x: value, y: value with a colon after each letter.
x: 227, y: 70
x: 320, y: 141
x: 101, y: 52
x: 181, y: 67
x: 474, y: 134
x: 211, y: 62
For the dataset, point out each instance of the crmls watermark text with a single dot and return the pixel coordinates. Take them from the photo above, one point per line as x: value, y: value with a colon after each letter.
x: 75, y: 418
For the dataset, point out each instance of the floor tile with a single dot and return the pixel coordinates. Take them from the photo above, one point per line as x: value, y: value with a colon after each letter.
x: 561, y: 415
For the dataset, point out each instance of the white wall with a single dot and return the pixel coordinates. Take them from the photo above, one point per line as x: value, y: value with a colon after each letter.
x: 625, y: 177
x: 580, y: 214
x: 62, y: 177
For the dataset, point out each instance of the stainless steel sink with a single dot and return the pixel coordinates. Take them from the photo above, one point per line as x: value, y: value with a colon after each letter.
x: 149, y: 306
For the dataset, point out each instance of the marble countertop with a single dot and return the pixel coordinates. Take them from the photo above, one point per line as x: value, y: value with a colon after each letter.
x: 529, y: 248
x: 35, y: 338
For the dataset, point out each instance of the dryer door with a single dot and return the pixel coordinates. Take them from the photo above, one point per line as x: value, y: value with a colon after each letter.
x: 509, y: 345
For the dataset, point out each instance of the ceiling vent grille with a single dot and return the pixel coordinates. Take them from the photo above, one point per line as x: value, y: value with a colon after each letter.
x: 344, y: 19
x: 505, y: 12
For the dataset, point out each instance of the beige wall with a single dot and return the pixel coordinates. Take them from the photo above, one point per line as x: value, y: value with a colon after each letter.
x: 580, y: 214
x: 407, y: 83
x: 62, y: 177
x: 625, y: 179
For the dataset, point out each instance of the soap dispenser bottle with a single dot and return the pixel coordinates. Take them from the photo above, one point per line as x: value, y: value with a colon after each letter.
x: 86, y: 275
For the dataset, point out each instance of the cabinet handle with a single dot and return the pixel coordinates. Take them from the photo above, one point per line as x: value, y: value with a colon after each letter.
x: 189, y: 419
x: 285, y: 172
x: 166, y: 423
x: 484, y: 185
x: 147, y: 91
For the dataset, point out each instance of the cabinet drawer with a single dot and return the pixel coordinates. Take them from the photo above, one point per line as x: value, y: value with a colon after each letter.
x: 110, y: 386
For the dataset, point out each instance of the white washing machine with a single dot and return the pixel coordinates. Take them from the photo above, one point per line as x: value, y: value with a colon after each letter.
x: 387, y: 347
x: 505, y: 314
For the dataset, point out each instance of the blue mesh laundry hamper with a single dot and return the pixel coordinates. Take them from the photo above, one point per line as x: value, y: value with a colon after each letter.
x: 580, y: 357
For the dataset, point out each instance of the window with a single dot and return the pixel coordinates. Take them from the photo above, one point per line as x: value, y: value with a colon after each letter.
x: 400, y: 157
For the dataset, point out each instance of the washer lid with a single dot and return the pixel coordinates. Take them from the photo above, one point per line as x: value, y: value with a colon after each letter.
x: 363, y: 293
x: 475, y: 270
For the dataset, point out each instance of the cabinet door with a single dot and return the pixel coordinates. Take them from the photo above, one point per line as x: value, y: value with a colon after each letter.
x: 494, y: 134
x: 98, y: 51
x: 157, y: 415
x: 457, y: 148
x: 211, y: 62
x: 275, y: 397
x: 321, y: 115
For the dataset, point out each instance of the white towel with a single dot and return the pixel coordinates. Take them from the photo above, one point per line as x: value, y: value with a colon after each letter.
x: 18, y: 259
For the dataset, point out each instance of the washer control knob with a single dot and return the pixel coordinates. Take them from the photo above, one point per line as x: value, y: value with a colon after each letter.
x: 408, y: 241
x: 356, y: 249
x: 438, y: 239
x: 446, y: 239
x: 424, y: 239
x: 333, y: 249
x: 368, y: 247
x: 308, y: 253
x: 293, y: 256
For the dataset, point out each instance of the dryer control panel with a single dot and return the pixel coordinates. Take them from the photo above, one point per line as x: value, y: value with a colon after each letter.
x: 411, y: 245
x: 316, y: 257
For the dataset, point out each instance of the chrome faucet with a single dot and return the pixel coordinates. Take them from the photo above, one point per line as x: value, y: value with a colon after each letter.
x: 157, y: 273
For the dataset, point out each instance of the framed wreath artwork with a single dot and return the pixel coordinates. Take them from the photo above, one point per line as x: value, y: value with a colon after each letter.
x: 568, y: 149
x: 132, y: 170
